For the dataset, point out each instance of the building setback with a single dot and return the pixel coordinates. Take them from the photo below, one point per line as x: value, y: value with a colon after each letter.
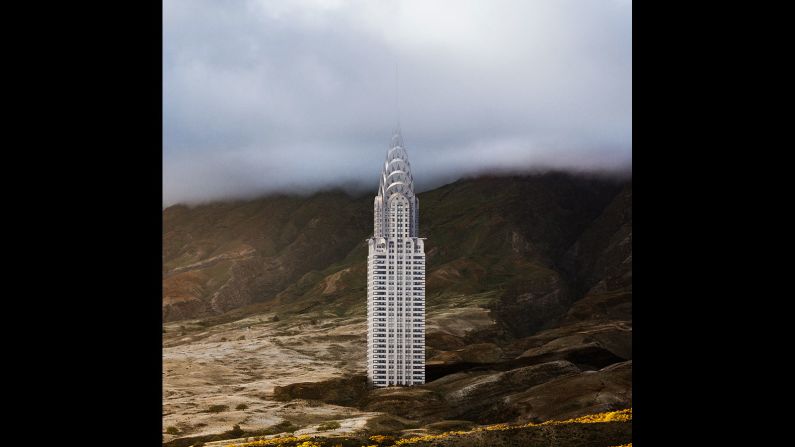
x: 396, y: 278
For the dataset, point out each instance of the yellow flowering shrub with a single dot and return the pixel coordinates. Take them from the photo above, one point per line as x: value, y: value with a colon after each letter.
x: 381, y: 439
x: 416, y: 439
x: 287, y: 441
x: 610, y: 416
x: 308, y: 444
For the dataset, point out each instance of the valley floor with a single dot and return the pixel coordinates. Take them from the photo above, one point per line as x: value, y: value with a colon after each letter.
x: 218, y: 376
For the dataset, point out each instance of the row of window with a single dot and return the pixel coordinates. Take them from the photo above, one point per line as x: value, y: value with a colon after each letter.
x: 381, y: 301
x: 392, y: 351
x: 401, y: 278
x: 381, y: 369
x: 380, y: 341
x: 417, y: 300
x: 400, y: 318
x: 418, y: 359
x: 392, y: 287
x: 392, y: 362
x: 392, y: 294
x: 380, y: 296
x: 409, y: 310
x: 416, y: 348
x: 417, y: 375
x: 417, y: 308
x: 416, y: 325
x: 408, y: 370
x: 408, y: 273
x: 404, y: 319
x: 398, y: 329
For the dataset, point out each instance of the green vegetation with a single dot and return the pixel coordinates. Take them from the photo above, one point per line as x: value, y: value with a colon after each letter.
x: 281, y: 427
x: 172, y: 430
x: 241, y: 407
x: 235, y: 432
x: 330, y: 425
x: 217, y: 408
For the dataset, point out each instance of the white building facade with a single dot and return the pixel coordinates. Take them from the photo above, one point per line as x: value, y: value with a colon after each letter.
x: 396, y: 278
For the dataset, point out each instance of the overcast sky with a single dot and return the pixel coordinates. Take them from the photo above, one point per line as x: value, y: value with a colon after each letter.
x: 298, y: 94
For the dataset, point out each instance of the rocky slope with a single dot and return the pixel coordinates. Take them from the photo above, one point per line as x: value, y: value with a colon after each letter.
x: 529, y: 312
x: 515, y: 235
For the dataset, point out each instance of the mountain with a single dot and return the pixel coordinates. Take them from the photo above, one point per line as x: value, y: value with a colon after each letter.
x: 507, y: 235
x: 529, y: 309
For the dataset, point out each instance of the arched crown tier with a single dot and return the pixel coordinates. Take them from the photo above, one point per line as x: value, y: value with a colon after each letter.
x: 396, y: 175
x: 396, y: 182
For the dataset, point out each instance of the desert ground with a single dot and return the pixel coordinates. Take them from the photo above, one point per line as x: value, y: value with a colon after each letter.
x: 218, y: 376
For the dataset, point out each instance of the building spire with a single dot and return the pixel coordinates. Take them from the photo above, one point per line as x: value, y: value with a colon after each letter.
x: 397, y: 98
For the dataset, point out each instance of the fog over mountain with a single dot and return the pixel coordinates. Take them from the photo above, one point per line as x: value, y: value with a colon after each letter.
x: 284, y: 94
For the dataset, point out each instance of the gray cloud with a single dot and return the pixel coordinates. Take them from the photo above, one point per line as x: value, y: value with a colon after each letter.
x: 271, y: 95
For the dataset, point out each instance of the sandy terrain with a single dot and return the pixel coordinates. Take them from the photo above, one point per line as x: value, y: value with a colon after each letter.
x: 239, y: 363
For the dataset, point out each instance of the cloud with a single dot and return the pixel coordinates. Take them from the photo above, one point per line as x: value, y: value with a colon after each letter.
x: 272, y: 95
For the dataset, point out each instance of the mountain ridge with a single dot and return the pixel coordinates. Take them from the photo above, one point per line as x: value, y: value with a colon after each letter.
x: 226, y: 255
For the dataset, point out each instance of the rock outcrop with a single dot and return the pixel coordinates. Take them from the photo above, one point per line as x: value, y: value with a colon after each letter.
x: 338, y: 391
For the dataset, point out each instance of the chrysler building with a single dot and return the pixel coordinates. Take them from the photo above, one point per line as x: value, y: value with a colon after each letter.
x: 396, y: 278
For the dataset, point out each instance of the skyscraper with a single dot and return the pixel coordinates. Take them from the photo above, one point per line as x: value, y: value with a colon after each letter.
x: 396, y: 278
